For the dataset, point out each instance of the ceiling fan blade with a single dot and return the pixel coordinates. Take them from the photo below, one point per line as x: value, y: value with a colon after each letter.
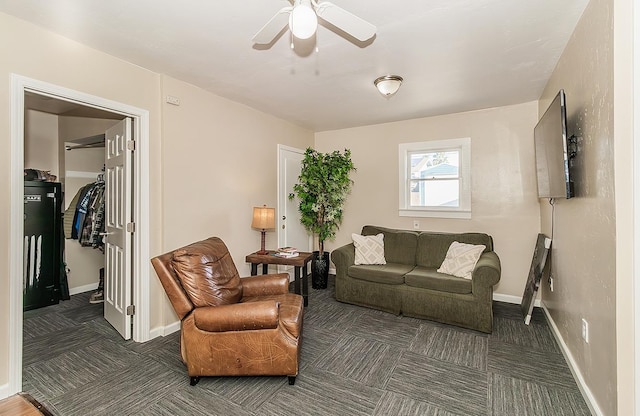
x: 273, y: 27
x: 343, y: 20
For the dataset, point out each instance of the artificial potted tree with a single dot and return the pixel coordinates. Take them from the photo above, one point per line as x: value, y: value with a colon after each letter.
x: 323, y: 186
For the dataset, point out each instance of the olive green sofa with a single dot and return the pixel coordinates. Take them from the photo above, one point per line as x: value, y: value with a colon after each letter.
x: 409, y: 284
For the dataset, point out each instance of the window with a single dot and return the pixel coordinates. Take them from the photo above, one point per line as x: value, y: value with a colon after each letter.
x: 435, y: 178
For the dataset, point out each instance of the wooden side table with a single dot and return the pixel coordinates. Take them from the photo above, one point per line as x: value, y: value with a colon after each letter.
x: 299, y: 262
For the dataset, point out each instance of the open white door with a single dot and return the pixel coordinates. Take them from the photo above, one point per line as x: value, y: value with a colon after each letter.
x: 118, y: 227
x: 290, y: 232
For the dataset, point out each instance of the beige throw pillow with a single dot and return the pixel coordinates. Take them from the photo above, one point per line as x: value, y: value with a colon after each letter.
x: 461, y: 259
x: 369, y: 248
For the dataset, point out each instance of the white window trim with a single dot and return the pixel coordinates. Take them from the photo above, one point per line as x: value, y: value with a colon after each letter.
x: 464, y: 210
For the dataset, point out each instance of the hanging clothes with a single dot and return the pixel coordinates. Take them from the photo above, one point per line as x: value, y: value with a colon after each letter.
x: 87, y: 215
x: 81, y: 212
x: 92, y: 224
x: 70, y: 214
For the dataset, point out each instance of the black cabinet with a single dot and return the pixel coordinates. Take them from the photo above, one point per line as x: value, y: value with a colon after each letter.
x: 42, y: 243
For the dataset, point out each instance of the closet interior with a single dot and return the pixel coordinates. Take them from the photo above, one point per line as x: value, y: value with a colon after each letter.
x: 64, y: 150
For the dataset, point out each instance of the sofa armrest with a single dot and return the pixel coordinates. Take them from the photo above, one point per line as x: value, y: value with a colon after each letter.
x: 487, y: 272
x: 266, y: 284
x: 342, y: 258
x: 237, y: 316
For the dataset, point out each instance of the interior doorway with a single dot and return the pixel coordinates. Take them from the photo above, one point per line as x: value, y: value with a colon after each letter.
x: 290, y: 231
x: 22, y: 88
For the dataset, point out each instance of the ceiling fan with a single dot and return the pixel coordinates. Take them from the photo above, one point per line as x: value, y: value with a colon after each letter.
x: 302, y: 18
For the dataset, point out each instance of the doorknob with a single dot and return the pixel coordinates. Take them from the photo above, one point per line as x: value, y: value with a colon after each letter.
x: 284, y: 217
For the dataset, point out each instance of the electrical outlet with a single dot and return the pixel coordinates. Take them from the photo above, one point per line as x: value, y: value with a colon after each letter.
x: 416, y: 224
x: 585, y: 330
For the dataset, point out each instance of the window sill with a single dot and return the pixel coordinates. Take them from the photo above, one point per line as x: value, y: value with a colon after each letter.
x: 435, y: 213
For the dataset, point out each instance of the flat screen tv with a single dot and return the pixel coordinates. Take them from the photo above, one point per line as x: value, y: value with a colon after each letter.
x: 552, y: 151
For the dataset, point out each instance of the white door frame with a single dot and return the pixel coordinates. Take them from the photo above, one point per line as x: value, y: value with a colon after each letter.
x: 635, y: 76
x: 19, y: 86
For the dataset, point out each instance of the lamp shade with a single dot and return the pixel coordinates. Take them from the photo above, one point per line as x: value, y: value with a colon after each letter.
x: 264, y: 218
x: 303, y: 21
x: 388, y: 85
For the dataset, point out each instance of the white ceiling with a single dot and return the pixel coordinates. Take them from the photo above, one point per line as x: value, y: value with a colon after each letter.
x: 455, y: 55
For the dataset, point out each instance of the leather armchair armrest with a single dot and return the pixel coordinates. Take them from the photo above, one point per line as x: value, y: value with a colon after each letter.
x: 238, y: 316
x: 266, y: 284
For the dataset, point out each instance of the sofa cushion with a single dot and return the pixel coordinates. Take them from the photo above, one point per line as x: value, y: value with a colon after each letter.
x: 432, y: 247
x: 369, y: 249
x: 399, y: 245
x: 461, y: 259
x: 390, y: 273
x: 428, y: 278
x: 207, y: 273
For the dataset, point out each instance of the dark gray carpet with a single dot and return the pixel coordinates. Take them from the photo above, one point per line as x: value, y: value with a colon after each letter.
x: 355, y: 361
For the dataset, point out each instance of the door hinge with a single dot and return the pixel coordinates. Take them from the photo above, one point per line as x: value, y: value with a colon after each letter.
x: 131, y: 145
x: 131, y: 310
x: 131, y: 227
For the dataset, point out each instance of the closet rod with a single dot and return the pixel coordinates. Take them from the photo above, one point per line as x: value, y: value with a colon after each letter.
x: 85, y: 146
x: 90, y: 142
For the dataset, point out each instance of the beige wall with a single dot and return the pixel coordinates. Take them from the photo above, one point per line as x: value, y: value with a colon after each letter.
x: 41, y: 142
x: 220, y: 160
x: 584, y: 248
x: 504, y: 200
x: 33, y: 52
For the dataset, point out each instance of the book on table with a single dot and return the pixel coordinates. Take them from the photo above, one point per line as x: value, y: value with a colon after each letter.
x: 287, y: 252
x: 287, y: 255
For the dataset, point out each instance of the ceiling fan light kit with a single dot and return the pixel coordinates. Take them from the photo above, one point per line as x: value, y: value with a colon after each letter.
x: 388, y: 85
x: 303, y: 21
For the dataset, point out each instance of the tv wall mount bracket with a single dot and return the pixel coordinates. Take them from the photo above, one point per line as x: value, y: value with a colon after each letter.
x: 572, y: 146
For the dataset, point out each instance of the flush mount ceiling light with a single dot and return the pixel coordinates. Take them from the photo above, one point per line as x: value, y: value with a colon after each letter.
x: 388, y: 85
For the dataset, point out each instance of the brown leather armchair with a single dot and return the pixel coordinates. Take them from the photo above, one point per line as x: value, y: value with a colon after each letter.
x: 230, y: 326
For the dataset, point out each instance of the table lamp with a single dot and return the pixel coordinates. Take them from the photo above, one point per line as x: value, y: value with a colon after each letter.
x: 263, y: 219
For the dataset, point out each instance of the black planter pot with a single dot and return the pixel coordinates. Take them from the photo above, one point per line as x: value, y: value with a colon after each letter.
x: 320, y: 270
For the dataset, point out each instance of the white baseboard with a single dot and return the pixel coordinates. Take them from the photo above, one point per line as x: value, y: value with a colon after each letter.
x: 81, y: 289
x: 163, y: 331
x: 575, y: 371
x: 513, y: 299
x: 4, y: 391
x: 154, y: 333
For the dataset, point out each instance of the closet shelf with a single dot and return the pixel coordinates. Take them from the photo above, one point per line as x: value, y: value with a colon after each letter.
x: 87, y: 143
